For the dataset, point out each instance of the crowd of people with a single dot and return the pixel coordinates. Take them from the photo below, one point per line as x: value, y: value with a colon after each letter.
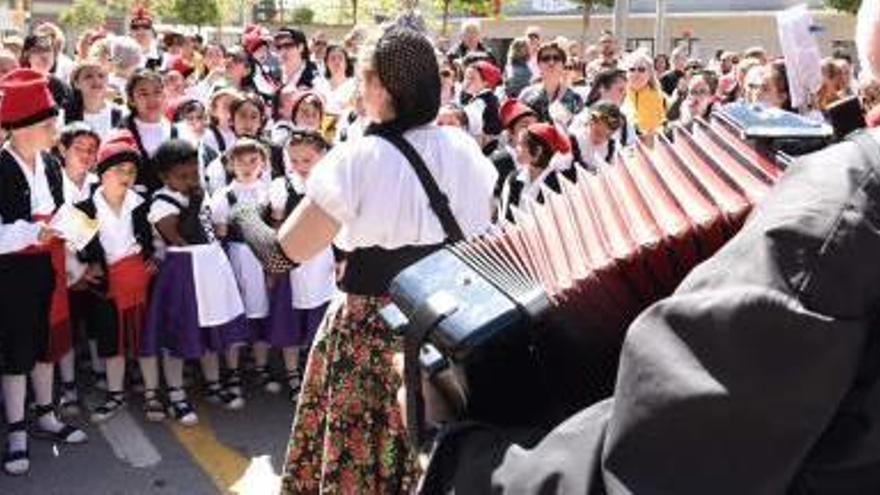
x: 157, y: 139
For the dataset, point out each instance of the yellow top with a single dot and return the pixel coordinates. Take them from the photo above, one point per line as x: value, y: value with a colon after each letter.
x: 646, y: 108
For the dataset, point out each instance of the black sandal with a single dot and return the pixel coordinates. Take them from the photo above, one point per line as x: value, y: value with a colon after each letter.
x: 16, y: 462
x: 267, y: 381
x: 114, y: 403
x: 154, y: 409
x: 181, y: 410
x: 232, y: 391
x: 67, y: 434
x: 68, y: 407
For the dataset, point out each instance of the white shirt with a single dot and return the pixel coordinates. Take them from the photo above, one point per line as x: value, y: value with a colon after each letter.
x: 474, y: 111
x: 153, y: 134
x: 313, y: 283
x: 21, y: 234
x: 116, y: 232
x: 371, y: 190
x: 209, y: 140
x: 75, y: 194
x: 254, y: 193
x: 101, y: 122
x: 340, y: 99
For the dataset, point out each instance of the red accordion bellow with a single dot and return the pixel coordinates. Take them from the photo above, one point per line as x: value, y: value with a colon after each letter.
x: 611, y: 244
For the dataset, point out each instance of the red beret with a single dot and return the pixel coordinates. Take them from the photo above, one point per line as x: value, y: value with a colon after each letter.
x: 140, y: 18
x: 490, y: 74
x: 511, y: 111
x: 26, y: 99
x: 551, y: 137
x: 119, y: 147
x: 253, y: 40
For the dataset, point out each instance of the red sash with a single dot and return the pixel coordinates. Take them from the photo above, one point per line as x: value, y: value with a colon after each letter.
x: 128, y: 285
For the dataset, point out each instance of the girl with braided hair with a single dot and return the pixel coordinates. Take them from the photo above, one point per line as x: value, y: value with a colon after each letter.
x: 367, y: 197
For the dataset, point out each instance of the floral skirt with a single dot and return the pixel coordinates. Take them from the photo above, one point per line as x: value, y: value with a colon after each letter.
x: 348, y: 434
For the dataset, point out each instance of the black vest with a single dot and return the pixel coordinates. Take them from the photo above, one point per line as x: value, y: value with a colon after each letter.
x: 515, y: 188
x: 194, y: 221
x: 15, y: 195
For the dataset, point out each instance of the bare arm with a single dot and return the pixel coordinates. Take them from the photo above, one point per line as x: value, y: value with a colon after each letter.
x: 307, y: 231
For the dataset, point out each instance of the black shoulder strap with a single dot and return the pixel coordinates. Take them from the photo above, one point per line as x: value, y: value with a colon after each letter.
x: 88, y: 207
x: 132, y: 126
x: 612, y: 149
x: 231, y: 198
x: 576, y: 151
x: 438, y: 201
x: 174, y: 132
x: 276, y: 161
x: 218, y: 137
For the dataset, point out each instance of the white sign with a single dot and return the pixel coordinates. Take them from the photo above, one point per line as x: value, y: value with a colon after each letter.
x: 801, y: 51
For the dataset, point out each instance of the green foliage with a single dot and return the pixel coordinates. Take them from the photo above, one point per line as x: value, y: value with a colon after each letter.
x: 470, y: 8
x: 851, y: 6
x: 83, y: 14
x: 191, y: 12
x: 302, y: 16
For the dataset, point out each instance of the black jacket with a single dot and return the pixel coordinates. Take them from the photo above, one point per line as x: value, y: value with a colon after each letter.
x: 759, y: 375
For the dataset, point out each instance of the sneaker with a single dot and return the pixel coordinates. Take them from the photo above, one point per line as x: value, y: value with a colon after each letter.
x: 115, y: 402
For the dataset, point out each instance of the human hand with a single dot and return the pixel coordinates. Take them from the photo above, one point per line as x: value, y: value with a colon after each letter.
x: 47, y: 235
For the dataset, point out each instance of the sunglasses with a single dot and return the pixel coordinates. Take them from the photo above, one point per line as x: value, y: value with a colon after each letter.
x: 284, y: 46
x: 550, y: 58
x: 640, y: 68
x: 533, y: 36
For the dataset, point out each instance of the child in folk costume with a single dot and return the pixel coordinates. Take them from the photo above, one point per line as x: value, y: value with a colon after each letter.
x: 147, y: 123
x: 195, y: 309
x: 122, y: 251
x: 484, y: 123
x: 300, y: 299
x: 219, y: 134
x: 78, y: 149
x: 542, y: 151
x: 248, y: 158
x: 33, y: 290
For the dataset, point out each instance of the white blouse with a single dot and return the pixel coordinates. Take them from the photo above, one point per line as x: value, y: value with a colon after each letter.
x: 116, y: 231
x: 372, y: 191
x: 254, y: 193
x: 101, y: 122
x: 153, y: 134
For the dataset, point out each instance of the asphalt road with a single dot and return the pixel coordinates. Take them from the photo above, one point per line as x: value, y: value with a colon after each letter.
x: 228, y: 452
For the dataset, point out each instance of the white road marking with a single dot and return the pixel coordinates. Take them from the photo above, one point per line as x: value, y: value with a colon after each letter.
x: 129, y: 442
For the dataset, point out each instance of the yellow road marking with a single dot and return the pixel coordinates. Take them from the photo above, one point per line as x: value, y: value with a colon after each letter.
x: 223, y: 464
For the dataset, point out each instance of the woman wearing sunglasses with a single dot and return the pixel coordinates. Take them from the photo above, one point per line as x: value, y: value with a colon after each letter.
x: 644, y: 103
x: 552, y: 89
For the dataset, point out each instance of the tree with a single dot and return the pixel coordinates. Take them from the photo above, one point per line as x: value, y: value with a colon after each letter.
x: 587, y: 12
x: 193, y: 12
x: 302, y: 16
x: 851, y: 6
x: 468, y: 7
x: 83, y: 14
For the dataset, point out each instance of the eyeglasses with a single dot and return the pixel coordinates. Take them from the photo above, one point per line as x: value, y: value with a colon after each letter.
x: 699, y: 92
x: 639, y: 68
x: 546, y: 59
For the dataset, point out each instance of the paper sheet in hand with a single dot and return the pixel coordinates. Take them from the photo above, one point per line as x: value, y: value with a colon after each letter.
x: 74, y: 226
x: 801, y: 51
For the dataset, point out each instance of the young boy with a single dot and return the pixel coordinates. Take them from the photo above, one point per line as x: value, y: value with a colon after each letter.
x: 33, y: 298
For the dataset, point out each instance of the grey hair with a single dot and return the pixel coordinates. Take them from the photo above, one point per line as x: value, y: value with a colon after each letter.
x: 125, y: 53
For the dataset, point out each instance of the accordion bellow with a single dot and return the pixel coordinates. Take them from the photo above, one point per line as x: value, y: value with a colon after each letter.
x: 539, y: 308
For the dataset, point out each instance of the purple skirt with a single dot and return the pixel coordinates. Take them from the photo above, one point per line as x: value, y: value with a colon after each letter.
x: 288, y: 326
x: 173, y: 316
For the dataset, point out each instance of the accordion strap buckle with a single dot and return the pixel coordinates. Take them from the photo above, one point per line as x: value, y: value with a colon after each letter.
x: 425, y: 318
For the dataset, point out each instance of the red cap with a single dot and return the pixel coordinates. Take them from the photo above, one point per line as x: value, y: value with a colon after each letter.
x: 511, y: 111
x: 180, y: 64
x: 550, y: 136
x: 253, y: 40
x: 140, y: 18
x: 490, y: 74
x: 120, y: 146
x: 26, y: 99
